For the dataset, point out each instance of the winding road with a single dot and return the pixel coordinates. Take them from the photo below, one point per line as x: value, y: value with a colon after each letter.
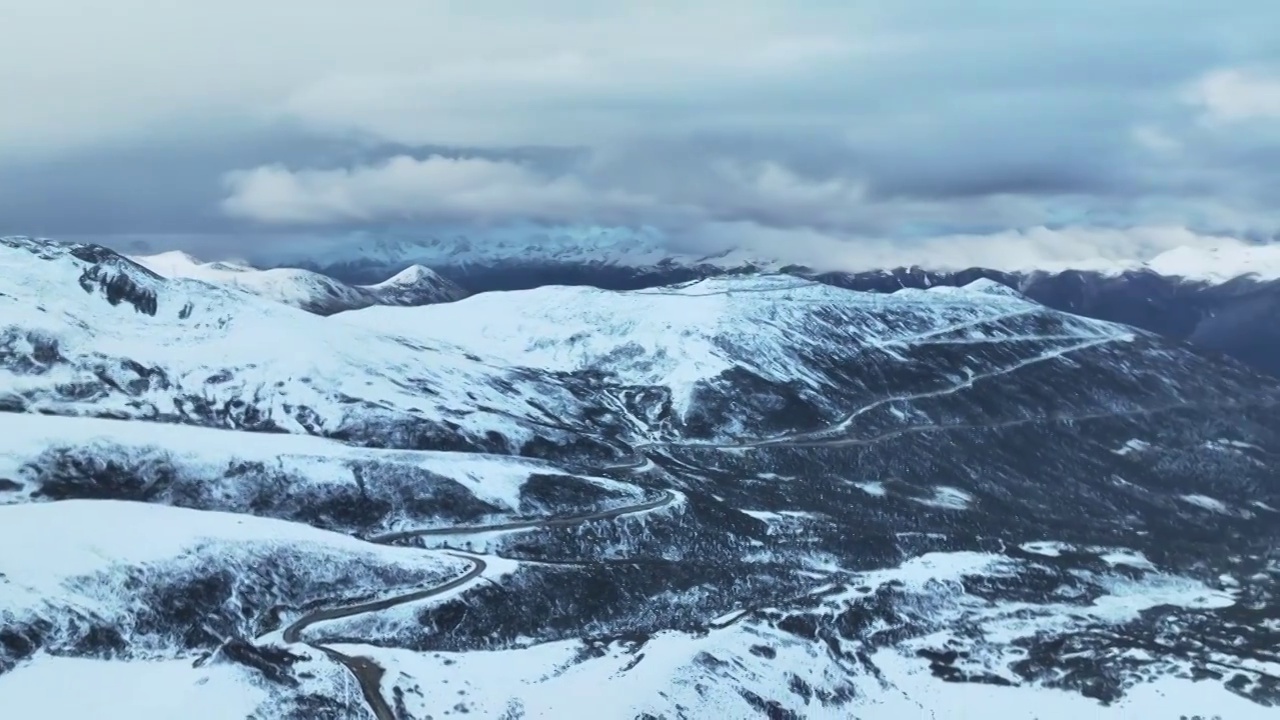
x: 367, y: 672
x: 665, y: 499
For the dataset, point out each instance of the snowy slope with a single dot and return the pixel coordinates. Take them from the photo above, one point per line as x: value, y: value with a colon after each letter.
x: 87, y: 332
x: 554, y: 370
x: 305, y: 289
x: 678, y: 337
x: 294, y: 477
x: 167, y: 591
x: 86, y: 548
x: 751, y: 356
x: 1219, y: 264
x: 102, y: 578
x: 762, y: 661
x: 138, y: 690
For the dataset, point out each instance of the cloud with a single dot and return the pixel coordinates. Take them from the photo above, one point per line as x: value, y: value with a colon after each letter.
x: 1156, y: 140
x: 1035, y: 248
x: 889, y: 122
x: 1235, y: 95
x: 404, y: 190
x: 434, y: 189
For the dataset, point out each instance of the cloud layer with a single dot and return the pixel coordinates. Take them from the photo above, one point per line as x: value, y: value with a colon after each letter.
x: 918, y: 122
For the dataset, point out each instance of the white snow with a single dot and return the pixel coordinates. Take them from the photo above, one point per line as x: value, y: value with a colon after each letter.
x: 991, y: 287
x: 673, y: 669
x: 1132, y: 446
x: 1125, y: 556
x: 1112, y: 556
x: 289, y: 286
x: 682, y: 335
x: 300, y: 288
x: 782, y: 516
x: 80, y: 537
x: 1048, y: 548
x: 86, y: 556
x: 441, y: 363
x: 949, y: 498
x: 1206, y: 502
x: 912, y: 692
x: 496, y: 479
x: 410, y: 276
x: 388, y: 626
x: 225, y: 346
x: 74, y: 689
x: 874, y: 489
x: 1220, y: 264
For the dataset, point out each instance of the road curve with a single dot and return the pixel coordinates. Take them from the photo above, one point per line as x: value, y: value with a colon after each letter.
x: 367, y: 672
x: 293, y: 633
x: 664, y: 500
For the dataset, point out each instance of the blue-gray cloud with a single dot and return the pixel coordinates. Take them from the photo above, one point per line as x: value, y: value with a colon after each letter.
x: 770, y: 117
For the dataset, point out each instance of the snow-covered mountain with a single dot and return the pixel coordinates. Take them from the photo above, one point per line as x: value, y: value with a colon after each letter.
x: 517, y: 257
x: 514, y: 258
x: 84, y: 331
x: 305, y: 289
x: 140, y: 583
x: 676, y: 361
x: 294, y: 477
x: 1216, y: 265
x: 752, y: 495
x: 1237, y: 318
x: 1224, y: 299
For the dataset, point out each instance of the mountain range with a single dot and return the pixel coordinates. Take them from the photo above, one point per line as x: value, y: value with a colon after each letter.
x: 1224, y: 300
x: 749, y: 493
x: 305, y: 289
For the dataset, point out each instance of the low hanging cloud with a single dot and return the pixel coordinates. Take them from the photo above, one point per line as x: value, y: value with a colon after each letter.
x: 1035, y: 248
x: 433, y: 189
x: 469, y: 189
x: 404, y: 190
x: 1235, y: 95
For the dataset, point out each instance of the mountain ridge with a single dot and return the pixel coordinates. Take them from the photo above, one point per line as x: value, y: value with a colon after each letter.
x: 1225, y: 301
x: 306, y: 289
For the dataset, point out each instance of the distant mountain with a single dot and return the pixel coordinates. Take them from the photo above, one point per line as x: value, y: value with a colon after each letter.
x: 515, y: 259
x: 1239, y: 317
x: 95, y: 334
x: 305, y: 289
x: 1222, y: 300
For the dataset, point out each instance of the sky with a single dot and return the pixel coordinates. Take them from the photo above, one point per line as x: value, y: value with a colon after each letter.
x: 1134, y: 125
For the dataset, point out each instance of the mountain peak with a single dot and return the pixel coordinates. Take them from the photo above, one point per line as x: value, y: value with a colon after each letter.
x: 1219, y: 264
x: 305, y: 289
x: 413, y: 275
x: 415, y: 285
x: 987, y: 286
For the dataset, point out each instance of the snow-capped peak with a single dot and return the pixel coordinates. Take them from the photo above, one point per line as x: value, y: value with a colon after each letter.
x: 988, y: 286
x: 306, y: 289
x: 412, y: 275
x: 1219, y: 264
x: 168, y: 262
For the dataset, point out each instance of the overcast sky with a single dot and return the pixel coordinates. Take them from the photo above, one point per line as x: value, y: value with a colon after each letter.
x: 774, y: 122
